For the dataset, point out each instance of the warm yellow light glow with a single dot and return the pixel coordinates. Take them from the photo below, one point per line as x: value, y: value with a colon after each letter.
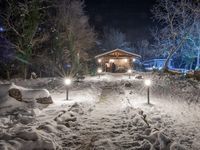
x: 126, y: 60
x: 99, y: 60
x: 67, y: 81
x: 99, y: 70
x: 129, y: 71
x: 147, y: 82
x: 111, y: 60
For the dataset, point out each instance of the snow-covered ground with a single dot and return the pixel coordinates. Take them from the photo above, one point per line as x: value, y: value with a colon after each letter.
x: 108, y: 113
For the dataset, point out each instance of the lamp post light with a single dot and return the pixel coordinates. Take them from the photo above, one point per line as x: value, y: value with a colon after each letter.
x: 99, y: 71
x: 99, y: 60
x: 129, y: 73
x: 148, y: 83
x: 67, y: 84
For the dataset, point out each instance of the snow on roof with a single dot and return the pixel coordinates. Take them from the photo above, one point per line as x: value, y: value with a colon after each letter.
x: 133, y: 54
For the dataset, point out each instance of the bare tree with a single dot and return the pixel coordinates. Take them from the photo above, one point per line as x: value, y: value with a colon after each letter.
x: 176, y: 18
x: 194, y: 39
x: 113, y: 38
x: 72, y: 34
x: 144, y: 48
x: 21, y: 20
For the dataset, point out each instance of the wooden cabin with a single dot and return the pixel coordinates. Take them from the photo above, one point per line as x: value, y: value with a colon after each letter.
x: 117, y: 60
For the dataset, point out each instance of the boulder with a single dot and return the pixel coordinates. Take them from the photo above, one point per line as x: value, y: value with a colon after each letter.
x: 139, y: 77
x: 44, y: 100
x: 15, y: 93
x: 128, y: 85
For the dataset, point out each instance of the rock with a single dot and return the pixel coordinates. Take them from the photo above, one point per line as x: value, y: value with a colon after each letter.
x: 44, y: 100
x: 128, y: 85
x: 15, y: 93
x: 33, y: 75
x: 138, y: 77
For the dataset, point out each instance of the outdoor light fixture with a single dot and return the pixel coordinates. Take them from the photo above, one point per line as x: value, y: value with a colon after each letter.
x: 148, y: 83
x: 99, y: 60
x: 67, y: 82
x: 1, y: 29
x: 129, y: 73
x: 134, y: 59
x: 126, y: 60
x: 111, y: 60
x: 99, y: 71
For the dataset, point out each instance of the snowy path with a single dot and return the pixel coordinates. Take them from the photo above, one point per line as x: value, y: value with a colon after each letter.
x: 113, y: 122
x: 107, y: 126
x: 111, y: 125
x: 109, y: 114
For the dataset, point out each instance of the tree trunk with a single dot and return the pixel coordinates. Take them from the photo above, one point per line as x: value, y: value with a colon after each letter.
x: 8, y: 74
x: 25, y: 71
x: 191, y: 64
x: 198, y: 57
x: 165, y: 67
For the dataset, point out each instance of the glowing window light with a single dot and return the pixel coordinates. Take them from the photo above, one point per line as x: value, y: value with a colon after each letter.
x: 111, y: 60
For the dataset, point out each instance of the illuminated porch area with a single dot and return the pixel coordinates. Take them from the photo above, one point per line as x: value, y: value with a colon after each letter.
x: 116, y: 61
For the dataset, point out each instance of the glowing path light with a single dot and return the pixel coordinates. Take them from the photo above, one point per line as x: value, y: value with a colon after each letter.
x: 99, y: 71
x: 148, y: 83
x: 129, y: 73
x: 67, y: 82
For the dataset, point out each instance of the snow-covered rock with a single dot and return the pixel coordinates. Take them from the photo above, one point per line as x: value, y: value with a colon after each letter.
x: 14, y: 97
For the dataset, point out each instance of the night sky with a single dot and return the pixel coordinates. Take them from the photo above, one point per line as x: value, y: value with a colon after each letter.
x: 132, y: 17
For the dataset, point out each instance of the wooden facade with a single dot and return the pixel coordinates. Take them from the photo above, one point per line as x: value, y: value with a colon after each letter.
x: 121, y: 59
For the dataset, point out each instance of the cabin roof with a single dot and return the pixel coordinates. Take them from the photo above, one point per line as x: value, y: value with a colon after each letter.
x: 117, y: 50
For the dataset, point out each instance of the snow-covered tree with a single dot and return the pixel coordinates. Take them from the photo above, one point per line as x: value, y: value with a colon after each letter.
x: 21, y: 21
x: 72, y: 35
x: 143, y: 49
x: 176, y: 19
x: 113, y: 38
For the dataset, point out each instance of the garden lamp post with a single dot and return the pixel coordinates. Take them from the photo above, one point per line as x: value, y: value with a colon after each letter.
x: 129, y: 73
x: 147, y: 83
x: 67, y: 84
x: 99, y: 61
x: 99, y: 71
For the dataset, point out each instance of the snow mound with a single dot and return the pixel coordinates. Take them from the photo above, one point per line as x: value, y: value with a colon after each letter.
x: 14, y: 98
